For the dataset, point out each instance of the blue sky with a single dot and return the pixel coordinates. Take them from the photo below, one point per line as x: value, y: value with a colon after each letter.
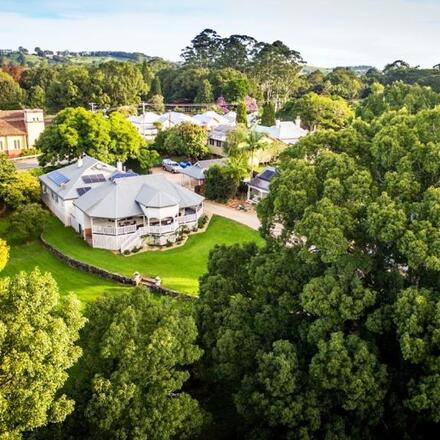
x: 326, y: 32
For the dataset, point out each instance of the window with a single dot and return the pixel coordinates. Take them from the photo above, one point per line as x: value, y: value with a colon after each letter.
x: 17, y: 144
x: 1, y: 145
x: 218, y: 143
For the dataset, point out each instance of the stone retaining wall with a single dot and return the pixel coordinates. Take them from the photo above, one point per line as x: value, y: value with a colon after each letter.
x: 72, y: 262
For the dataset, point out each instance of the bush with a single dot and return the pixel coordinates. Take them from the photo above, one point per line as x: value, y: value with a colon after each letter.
x: 24, y: 188
x: 220, y: 185
x: 28, y: 221
x: 202, y: 221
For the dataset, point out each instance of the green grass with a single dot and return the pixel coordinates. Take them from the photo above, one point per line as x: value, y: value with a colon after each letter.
x: 26, y: 256
x: 179, y: 268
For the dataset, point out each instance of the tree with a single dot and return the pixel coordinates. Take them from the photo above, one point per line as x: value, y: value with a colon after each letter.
x: 76, y: 131
x: 122, y: 83
x: 11, y: 95
x: 36, y: 97
x: 318, y: 111
x: 156, y: 88
x: 220, y: 184
x: 157, y: 103
x: 4, y: 254
x: 137, y: 352
x: 236, y: 89
x: 37, y: 347
x: 186, y: 139
x: 21, y: 189
x: 241, y: 113
x: 254, y: 142
x: 203, y: 50
x: 276, y: 69
x: 28, y: 221
x: 204, y: 93
x: 329, y: 331
x: 344, y: 83
x: 147, y: 158
x: 268, y: 115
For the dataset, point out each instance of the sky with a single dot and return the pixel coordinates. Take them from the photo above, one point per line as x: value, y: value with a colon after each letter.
x: 327, y: 33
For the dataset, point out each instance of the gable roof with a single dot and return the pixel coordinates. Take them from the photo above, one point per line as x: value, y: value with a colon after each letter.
x: 197, y: 171
x: 285, y: 131
x: 131, y: 196
x: 67, y: 188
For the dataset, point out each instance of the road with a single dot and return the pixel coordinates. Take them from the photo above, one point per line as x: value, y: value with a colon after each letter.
x: 26, y: 164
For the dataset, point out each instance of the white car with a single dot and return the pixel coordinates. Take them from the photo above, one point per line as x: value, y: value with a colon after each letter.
x: 170, y: 165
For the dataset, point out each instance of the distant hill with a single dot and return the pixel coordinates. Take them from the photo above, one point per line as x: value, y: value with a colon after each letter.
x: 66, y: 57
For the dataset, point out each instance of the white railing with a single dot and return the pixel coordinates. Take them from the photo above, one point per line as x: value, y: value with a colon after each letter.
x: 187, y: 218
x: 132, y: 241
x: 161, y: 229
x: 111, y: 230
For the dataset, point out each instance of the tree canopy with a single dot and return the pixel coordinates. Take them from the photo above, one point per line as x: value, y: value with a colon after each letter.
x: 76, y: 131
x: 329, y: 331
x: 136, y: 355
x: 38, y: 332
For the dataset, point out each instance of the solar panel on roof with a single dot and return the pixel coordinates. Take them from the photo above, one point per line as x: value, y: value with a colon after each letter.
x: 122, y: 175
x: 267, y: 175
x: 93, y: 178
x: 58, y: 178
x: 83, y: 190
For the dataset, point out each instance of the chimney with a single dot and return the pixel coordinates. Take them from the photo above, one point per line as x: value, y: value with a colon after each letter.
x: 80, y: 162
x: 119, y: 165
x: 298, y: 122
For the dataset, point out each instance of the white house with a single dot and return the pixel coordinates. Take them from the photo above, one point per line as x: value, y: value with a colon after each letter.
x: 118, y: 210
x: 285, y: 131
x: 170, y: 119
x: 210, y: 119
x: 146, y: 124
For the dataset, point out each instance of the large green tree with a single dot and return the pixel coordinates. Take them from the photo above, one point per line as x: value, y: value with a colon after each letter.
x: 318, y: 111
x: 137, y: 351
x: 76, y: 131
x: 38, y: 332
x: 11, y: 95
x: 330, y: 330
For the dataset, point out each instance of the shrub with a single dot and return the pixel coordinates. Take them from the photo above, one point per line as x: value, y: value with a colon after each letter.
x: 220, y: 185
x: 28, y: 221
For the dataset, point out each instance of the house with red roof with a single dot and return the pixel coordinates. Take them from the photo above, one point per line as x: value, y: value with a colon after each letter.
x: 19, y: 130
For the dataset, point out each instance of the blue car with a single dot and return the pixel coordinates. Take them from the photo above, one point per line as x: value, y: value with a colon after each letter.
x: 185, y: 164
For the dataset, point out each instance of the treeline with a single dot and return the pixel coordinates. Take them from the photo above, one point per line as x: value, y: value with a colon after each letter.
x: 215, y: 69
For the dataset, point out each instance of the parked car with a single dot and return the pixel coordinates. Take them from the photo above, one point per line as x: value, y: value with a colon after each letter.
x: 170, y: 165
x: 185, y: 163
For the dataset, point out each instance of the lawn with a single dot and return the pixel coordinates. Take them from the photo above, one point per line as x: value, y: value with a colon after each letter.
x: 179, y: 268
x: 26, y: 256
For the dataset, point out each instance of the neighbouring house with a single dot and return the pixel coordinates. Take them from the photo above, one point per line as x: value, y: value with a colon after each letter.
x: 258, y: 187
x: 118, y: 210
x: 196, y: 172
x: 19, y: 130
x: 285, y: 131
x: 170, y: 119
x: 217, y: 139
x: 146, y: 124
x: 210, y: 119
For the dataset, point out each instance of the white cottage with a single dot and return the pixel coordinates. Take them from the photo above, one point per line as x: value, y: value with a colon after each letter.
x: 116, y: 210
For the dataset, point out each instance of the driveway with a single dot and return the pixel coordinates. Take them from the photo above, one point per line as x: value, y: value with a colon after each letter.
x: 246, y: 218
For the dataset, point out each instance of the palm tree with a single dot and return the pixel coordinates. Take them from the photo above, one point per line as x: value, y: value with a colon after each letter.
x: 253, y: 142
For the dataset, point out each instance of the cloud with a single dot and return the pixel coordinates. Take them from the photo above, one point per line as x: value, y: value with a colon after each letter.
x: 327, y: 33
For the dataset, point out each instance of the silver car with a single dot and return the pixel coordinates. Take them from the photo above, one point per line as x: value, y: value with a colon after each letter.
x: 170, y: 165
